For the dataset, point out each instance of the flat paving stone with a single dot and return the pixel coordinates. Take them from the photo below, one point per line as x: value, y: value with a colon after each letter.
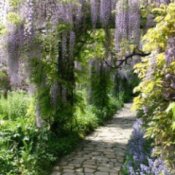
x: 102, y: 152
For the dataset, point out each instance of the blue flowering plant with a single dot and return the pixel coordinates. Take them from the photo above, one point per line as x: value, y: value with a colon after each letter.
x: 139, y: 159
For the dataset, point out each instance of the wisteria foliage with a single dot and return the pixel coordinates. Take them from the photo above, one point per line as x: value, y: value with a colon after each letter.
x: 37, y: 14
x: 134, y: 21
x: 94, y: 11
x: 121, y: 23
x: 105, y: 11
x: 38, y: 17
x: 127, y: 22
x: 3, y: 14
x: 169, y: 81
x: 127, y: 15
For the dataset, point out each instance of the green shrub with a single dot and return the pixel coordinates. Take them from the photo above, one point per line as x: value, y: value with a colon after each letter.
x: 15, y: 105
x: 4, y: 80
x: 16, y: 140
x: 31, y: 151
x: 85, y: 120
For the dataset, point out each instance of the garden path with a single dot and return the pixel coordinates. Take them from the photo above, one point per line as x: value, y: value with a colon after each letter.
x: 102, y: 152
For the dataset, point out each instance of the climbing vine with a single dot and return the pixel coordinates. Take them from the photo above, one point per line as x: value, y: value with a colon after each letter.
x: 156, y: 90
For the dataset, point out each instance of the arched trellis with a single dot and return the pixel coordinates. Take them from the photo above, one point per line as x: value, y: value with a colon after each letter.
x: 77, y: 17
x: 81, y: 15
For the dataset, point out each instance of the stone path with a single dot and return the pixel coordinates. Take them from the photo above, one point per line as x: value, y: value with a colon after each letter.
x: 102, y: 152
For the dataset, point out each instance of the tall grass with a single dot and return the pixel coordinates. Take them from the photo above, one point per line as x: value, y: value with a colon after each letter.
x: 15, y: 105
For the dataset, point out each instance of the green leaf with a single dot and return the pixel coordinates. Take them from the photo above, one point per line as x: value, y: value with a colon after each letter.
x: 173, y: 126
x: 171, y: 108
x: 14, y: 18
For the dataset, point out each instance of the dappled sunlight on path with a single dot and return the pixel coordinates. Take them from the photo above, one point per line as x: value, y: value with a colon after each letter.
x: 102, y: 152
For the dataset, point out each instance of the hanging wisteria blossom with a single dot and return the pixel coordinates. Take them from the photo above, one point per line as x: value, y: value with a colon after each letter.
x: 3, y: 14
x: 78, y: 12
x: 170, y: 53
x: 29, y: 17
x: 95, y: 7
x: 13, y: 57
x: 151, y: 66
x: 163, y: 1
x: 134, y: 21
x: 72, y: 43
x: 64, y: 44
x: 121, y: 23
x: 105, y: 12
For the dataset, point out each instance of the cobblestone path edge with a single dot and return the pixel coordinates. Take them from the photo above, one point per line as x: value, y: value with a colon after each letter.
x: 102, y: 152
